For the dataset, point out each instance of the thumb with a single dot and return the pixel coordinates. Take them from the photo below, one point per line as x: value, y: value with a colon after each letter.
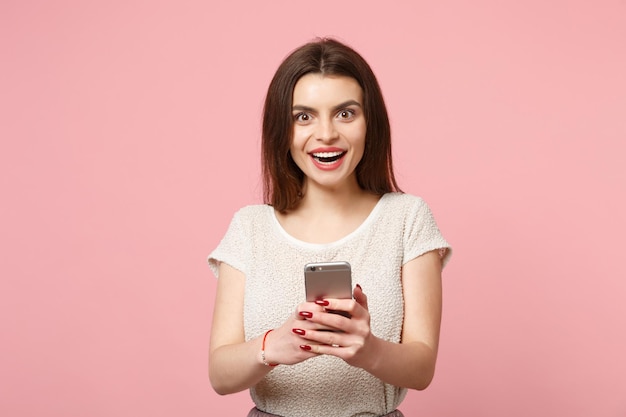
x: 359, y: 296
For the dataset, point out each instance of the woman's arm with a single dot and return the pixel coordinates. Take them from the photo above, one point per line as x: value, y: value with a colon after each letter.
x: 234, y: 365
x: 409, y: 364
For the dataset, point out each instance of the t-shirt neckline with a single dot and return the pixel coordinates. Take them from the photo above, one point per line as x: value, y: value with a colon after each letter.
x: 368, y: 220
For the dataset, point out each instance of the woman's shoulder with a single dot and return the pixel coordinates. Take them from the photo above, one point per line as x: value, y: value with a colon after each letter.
x: 253, y: 212
x: 254, y: 209
x: 403, y: 200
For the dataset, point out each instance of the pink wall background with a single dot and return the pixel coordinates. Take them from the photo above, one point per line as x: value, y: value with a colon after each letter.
x: 130, y: 134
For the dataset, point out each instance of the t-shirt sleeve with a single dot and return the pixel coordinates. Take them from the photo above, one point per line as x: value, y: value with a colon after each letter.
x: 422, y: 234
x: 232, y: 249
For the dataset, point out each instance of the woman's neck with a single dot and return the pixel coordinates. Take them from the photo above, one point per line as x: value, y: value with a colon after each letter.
x: 339, y: 201
x: 326, y: 215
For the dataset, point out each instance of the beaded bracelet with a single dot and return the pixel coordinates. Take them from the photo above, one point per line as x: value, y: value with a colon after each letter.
x: 263, y: 350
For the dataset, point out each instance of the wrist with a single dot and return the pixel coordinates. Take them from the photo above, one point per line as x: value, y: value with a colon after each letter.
x: 373, y: 357
x: 264, y: 348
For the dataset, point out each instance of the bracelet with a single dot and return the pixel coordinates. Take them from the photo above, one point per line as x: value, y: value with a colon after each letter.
x: 263, y: 350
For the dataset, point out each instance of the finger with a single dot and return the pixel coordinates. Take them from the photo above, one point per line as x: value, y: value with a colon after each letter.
x: 360, y: 297
x: 336, y: 305
x: 337, y: 314
x: 303, y: 315
x: 305, y: 333
x: 305, y: 310
x: 323, y: 349
x: 331, y: 338
x: 297, y: 315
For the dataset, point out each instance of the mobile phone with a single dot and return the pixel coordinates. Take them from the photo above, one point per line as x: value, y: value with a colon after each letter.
x: 328, y: 280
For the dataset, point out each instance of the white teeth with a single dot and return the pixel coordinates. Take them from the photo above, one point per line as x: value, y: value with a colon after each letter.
x: 327, y: 154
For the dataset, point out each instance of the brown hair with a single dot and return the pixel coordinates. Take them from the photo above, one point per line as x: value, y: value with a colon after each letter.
x: 282, y: 178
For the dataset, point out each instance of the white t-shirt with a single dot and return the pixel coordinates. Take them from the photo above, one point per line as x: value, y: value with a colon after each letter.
x: 399, y: 228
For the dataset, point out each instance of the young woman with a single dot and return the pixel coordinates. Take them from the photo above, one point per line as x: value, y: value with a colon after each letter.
x: 331, y: 196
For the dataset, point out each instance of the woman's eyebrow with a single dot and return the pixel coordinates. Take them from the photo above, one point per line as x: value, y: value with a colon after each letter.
x: 300, y: 107
x: 347, y: 104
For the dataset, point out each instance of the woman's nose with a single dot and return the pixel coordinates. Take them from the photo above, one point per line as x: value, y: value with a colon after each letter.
x: 326, y: 131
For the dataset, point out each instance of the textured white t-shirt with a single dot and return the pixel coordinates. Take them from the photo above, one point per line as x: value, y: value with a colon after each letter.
x: 400, y: 228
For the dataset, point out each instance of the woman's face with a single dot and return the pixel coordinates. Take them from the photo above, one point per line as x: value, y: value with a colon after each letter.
x: 328, y: 130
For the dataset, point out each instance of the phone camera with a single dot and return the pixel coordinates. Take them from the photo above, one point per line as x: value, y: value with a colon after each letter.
x: 312, y: 268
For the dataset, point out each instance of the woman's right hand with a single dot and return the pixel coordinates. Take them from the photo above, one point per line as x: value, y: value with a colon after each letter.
x: 284, y: 345
x: 236, y: 364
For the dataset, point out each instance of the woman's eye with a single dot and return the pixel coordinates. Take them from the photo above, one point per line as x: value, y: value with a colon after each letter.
x: 346, y: 114
x: 301, y: 117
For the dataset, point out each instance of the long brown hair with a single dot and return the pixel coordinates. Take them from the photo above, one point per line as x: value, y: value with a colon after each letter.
x: 282, y: 178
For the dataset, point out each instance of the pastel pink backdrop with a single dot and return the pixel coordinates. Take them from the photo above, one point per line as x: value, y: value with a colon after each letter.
x: 130, y: 135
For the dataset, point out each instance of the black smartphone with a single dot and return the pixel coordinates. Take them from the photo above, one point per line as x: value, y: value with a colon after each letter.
x: 328, y: 280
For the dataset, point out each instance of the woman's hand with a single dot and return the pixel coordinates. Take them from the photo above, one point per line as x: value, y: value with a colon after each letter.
x: 285, y: 346
x: 349, y: 338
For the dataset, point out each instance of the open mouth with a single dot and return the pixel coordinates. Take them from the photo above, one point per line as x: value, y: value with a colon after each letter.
x: 327, y: 157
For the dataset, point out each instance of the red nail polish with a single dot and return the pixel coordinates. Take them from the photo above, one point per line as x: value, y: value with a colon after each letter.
x: 322, y: 303
x: 359, y: 286
x: 299, y: 331
x: 305, y: 347
x: 306, y: 314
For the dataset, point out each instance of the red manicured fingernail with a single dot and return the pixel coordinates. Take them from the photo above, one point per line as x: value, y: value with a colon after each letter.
x: 322, y: 303
x: 299, y: 331
x: 305, y: 347
x: 359, y: 286
x: 306, y: 314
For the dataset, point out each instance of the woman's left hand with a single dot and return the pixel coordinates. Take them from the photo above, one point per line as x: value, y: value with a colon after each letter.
x: 352, y: 336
